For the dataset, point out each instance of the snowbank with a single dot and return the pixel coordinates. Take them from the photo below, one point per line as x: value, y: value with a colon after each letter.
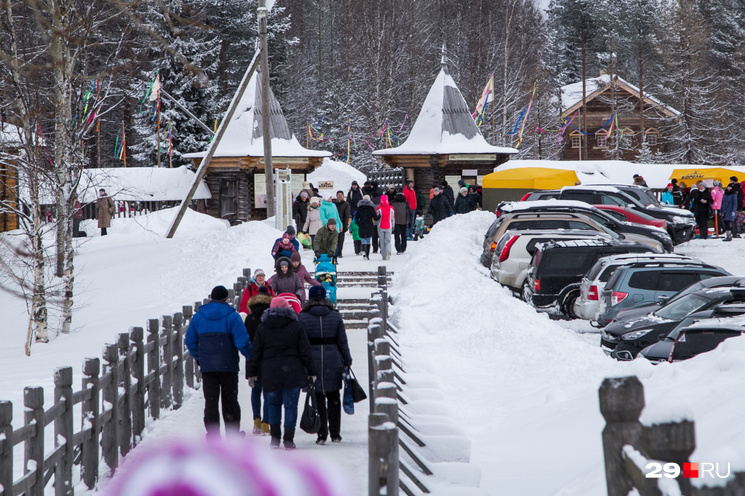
x: 340, y: 174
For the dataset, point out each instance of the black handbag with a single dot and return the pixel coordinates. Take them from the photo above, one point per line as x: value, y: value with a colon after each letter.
x: 310, y: 421
x: 358, y: 393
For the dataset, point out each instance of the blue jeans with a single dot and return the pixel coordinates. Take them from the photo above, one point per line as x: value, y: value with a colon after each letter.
x: 256, y: 403
x: 366, y: 241
x: 276, y: 399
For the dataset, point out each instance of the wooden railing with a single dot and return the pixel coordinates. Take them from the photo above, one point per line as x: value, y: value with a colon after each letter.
x: 630, y: 447
x: 142, y: 374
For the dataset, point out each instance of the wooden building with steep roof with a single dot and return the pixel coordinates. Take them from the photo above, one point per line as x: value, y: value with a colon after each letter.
x: 606, y: 97
x: 444, y: 141
x: 235, y: 175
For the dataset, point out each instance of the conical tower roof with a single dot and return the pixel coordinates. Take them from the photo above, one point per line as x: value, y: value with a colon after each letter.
x: 243, y: 136
x: 444, y: 125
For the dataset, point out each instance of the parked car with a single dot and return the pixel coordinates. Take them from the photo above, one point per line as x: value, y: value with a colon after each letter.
x: 557, y: 267
x: 705, y: 336
x: 589, y: 304
x: 626, y: 214
x: 660, y: 351
x: 624, y: 339
x: 515, y: 249
x: 642, y: 283
x: 632, y: 232
x: 680, y: 222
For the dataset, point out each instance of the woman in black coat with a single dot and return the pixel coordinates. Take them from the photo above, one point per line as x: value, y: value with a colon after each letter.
x: 280, y: 354
x: 330, y: 351
x: 256, y: 305
x: 365, y: 218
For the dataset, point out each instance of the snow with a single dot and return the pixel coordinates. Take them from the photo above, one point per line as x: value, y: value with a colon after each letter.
x: 428, y: 135
x: 340, y: 173
x: 489, y: 380
x: 590, y: 172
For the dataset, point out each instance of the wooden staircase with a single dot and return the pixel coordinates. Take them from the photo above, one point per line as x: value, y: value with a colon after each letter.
x: 354, y: 309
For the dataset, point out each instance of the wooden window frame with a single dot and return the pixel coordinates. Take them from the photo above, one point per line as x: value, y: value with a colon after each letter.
x: 578, y: 137
x: 653, y: 134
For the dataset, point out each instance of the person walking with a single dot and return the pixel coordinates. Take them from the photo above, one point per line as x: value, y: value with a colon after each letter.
x: 77, y: 217
x: 355, y: 230
x: 410, y: 196
x: 300, y: 209
x: 677, y: 193
x: 729, y: 210
x: 345, y: 215
x: 257, y: 305
x: 402, y: 215
x: 313, y: 219
x: 281, y: 357
x: 257, y: 282
x: 286, y: 245
x: 447, y: 192
x: 285, y: 280
x: 326, y: 240
x: 105, y: 210
x: 215, y: 335
x: 330, y: 351
x: 439, y: 207
x: 299, y: 269
x: 737, y: 188
x: 365, y: 218
x: 329, y: 211
x: 701, y: 207
x: 353, y: 197
x: 385, y: 226
x: 465, y: 203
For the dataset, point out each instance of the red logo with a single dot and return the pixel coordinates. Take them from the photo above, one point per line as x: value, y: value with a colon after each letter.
x: 690, y: 470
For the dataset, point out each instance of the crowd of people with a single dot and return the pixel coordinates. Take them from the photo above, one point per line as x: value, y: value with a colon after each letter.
x: 378, y: 220
x: 723, y: 204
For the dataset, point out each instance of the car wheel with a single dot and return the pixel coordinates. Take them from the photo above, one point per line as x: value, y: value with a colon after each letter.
x: 525, y: 292
x: 567, y: 306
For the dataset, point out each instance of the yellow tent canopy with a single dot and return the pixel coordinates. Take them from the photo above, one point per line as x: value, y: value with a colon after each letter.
x: 690, y: 176
x: 530, y: 178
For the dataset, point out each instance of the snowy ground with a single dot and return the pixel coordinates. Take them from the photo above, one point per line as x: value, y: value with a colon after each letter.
x: 523, y: 387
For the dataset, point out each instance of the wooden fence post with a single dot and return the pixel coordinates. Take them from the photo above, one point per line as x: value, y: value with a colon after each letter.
x: 178, y: 352
x: 153, y: 367
x: 90, y: 409
x: 671, y: 442
x: 188, y: 359
x: 621, y: 402
x: 166, y: 388
x: 125, y: 381
x: 247, y: 274
x: 382, y: 276
x: 383, y: 456
x: 373, y: 333
x: 384, y: 309
x: 6, y: 444
x: 33, y: 400
x: 136, y: 336
x: 238, y: 293
x: 110, y: 428
x: 63, y: 428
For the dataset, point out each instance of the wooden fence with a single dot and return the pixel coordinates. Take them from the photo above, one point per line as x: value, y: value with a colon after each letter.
x: 628, y: 446
x: 143, y: 373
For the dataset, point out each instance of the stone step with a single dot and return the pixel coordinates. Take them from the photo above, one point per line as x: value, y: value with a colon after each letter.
x: 355, y: 324
x: 360, y: 315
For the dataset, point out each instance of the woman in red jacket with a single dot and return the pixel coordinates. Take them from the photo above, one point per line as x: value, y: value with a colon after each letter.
x: 385, y: 226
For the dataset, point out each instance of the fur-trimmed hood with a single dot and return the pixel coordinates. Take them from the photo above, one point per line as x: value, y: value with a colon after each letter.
x: 367, y: 203
x: 259, y: 299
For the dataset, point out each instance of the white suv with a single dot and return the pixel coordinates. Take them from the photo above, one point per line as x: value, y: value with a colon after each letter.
x: 514, y: 250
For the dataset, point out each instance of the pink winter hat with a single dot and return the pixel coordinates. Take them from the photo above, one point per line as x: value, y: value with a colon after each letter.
x: 279, y: 302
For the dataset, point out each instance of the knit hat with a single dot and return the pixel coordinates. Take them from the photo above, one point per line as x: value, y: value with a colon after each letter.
x: 366, y: 197
x: 306, y: 184
x: 259, y: 272
x: 355, y: 183
x: 292, y: 300
x: 461, y: 183
x: 464, y: 190
x: 283, y: 262
x: 295, y: 257
x: 219, y: 293
x: 317, y: 292
x: 436, y: 190
x: 263, y: 290
x: 290, y: 230
x: 315, y: 199
x: 331, y: 222
x: 303, y: 194
x: 279, y: 302
x: 669, y: 185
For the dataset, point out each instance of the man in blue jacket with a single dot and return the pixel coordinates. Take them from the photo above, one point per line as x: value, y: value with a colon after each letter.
x: 215, y: 336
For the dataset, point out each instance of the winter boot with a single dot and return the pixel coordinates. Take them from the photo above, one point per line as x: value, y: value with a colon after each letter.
x: 265, y: 429
x: 257, y: 427
x: 276, y: 431
x: 366, y: 251
x: 289, y: 442
x: 728, y: 236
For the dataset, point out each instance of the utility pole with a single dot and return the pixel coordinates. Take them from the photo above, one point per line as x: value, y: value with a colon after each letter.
x: 265, y: 115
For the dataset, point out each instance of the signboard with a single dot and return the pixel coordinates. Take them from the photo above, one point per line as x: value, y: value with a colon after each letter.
x: 473, y: 157
x: 297, y: 183
x: 470, y: 172
x: 286, y: 160
x: 325, y: 185
x: 453, y: 182
x: 259, y: 190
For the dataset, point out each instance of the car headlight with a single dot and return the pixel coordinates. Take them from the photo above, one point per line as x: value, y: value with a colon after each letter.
x: 634, y: 335
x: 680, y: 220
x: 660, y: 234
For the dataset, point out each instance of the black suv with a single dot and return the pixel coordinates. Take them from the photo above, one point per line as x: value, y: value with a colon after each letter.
x: 595, y: 214
x: 625, y: 338
x: 680, y: 222
x: 557, y: 268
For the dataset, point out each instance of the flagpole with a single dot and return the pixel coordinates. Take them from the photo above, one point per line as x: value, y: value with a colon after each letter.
x: 157, y: 131
x: 124, y: 145
x: 493, y: 135
x: 98, y: 141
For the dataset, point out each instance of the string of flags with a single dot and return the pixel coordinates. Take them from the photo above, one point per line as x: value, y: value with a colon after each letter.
x: 120, y: 148
x: 478, y: 114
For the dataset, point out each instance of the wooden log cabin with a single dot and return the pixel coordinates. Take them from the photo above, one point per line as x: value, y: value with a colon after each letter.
x: 604, y: 98
x: 9, y: 145
x: 235, y: 175
x: 444, y: 142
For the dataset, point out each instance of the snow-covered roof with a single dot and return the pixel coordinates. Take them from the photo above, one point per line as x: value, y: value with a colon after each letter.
x: 340, y: 174
x: 571, y: 94
x: 243, y: 136
x: 444, y: 125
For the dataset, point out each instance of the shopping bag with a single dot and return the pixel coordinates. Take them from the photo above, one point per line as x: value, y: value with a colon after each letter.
x: 348, y: 398
x: 304, y: 240
x: 358, y: 394
x: 310, y: 421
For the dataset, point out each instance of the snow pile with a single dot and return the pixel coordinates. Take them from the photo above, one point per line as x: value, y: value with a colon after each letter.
x: 155, y: 225
x: 339, y: 173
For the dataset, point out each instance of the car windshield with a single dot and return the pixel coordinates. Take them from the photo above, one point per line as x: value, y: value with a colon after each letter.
x: 681, y: 307
x: 643, y: 195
